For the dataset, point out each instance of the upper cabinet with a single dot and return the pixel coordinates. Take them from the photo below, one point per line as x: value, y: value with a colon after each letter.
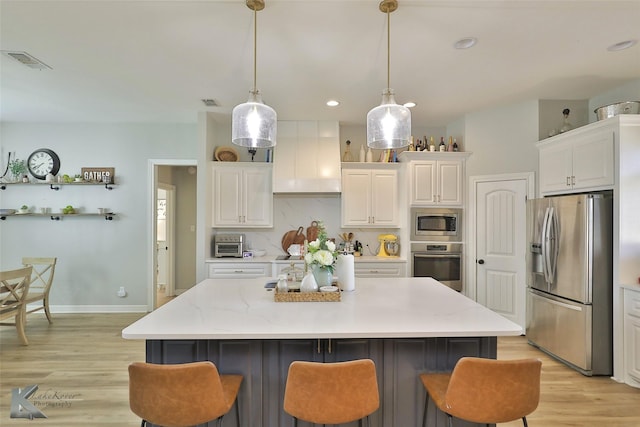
x: 579, y: 160
x: 435, y: 178
x: 242, y: 195
x: 370, y: 195
x: 307, y: 157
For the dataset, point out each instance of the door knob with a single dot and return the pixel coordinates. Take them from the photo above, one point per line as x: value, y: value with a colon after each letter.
x: 480, y: 261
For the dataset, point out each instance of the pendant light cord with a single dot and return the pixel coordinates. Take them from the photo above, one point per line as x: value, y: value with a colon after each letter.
x: 255, y: 48
x: 388, y: 49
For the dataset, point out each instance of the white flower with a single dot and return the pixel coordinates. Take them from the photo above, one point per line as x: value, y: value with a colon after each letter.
x: 315, y: 244
x: 331, y: 246
x: 308, y: 258
x: 323, y: 257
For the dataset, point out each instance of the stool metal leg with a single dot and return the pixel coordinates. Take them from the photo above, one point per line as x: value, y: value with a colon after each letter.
x: 524, y: 422
x: 424, y: 416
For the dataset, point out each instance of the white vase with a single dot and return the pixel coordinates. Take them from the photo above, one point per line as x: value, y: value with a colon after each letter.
x: 308, y: 283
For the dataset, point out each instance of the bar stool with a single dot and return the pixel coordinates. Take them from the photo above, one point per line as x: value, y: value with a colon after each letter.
x: 181, y: 395
x: 485, y: 390
x: 331, y: 393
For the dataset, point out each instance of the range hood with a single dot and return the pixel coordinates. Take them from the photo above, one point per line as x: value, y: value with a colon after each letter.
x: 306, y: 158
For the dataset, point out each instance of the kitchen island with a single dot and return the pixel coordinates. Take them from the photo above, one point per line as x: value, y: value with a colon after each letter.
x: 406, y: 325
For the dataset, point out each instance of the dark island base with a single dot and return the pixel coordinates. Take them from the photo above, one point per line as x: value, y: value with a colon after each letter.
x: 265, y: 363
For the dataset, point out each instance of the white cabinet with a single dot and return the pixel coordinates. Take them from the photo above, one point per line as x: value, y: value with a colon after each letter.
x: 632, y: 337
x: 435, y: 179
x: 578, y: 160
x: 370, y: 196
x: 242, y: 195
x: 380, y: 269
x: 238, y: 270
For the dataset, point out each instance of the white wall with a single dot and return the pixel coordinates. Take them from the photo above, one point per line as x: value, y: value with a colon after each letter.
x: 95, y: 257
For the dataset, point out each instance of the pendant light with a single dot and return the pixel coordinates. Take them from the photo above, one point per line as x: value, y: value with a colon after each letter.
x: 254, y: 124
x: 389, y: 124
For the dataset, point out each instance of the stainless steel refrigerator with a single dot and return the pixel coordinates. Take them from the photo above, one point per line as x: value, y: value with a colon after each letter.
x: 570, y: 280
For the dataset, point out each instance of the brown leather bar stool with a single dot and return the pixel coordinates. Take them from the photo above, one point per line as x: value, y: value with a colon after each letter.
x: 331, y: 393
x: 181, y: 395
x: 485, y: 390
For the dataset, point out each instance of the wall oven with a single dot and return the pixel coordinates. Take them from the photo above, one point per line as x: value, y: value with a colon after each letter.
x: 442, y: 261
x: 439, y: 224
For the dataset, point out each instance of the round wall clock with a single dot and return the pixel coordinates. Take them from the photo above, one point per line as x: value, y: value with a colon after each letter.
x: 42, y: 162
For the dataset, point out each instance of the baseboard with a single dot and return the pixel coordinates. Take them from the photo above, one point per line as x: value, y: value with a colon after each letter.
x: 98, y: 308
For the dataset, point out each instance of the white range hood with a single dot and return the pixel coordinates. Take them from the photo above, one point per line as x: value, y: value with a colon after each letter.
x: 306, y: 158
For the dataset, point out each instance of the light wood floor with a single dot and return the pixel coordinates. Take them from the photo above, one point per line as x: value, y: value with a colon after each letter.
x: 80, y: 365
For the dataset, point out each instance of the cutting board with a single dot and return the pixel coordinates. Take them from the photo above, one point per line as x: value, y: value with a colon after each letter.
x: 292, y: 237
x: 312, y: 231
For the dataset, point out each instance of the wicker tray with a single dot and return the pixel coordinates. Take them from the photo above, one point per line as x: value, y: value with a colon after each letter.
x: 306, y: 296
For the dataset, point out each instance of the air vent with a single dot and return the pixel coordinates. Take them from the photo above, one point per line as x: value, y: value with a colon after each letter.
x: 210, y: 102
x: 28, y: 60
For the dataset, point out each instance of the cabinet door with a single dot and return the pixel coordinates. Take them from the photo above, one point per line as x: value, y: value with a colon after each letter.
x: 449, y: 182
x: 555, y: 166
x: 257, y: 197
x: 423, y: 183
x: 227, y: 196
x: 632, y: 337
x: 384, y: 198
x: 593, y: 160
x: 356, y: 197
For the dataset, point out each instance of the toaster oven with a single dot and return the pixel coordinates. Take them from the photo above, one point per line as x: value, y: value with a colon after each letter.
x: 228, y: 245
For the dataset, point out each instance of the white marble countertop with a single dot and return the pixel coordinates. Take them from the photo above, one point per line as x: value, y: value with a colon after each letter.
x: 272, y: 258
x: 378, y: 308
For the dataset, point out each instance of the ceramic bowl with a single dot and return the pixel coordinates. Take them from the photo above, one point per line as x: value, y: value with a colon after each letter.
x: 328, y: 289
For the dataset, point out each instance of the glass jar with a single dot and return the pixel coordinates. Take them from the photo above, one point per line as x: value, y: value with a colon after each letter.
x: 282, y: 283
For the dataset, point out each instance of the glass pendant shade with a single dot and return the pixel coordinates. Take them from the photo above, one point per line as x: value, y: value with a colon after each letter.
x: 389, y: 124
x: 254, y: 124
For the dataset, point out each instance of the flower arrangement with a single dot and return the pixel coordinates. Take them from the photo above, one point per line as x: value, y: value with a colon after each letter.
x: 322, y: 251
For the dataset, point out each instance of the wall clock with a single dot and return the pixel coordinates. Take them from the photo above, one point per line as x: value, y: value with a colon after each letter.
x: 42, y: 162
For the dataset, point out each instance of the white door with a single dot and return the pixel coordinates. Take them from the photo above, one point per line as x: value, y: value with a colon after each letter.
x: 165, y: 238
x: 500, y: 244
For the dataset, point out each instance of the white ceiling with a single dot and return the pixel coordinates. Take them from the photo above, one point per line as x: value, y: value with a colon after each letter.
x: 150, y: 61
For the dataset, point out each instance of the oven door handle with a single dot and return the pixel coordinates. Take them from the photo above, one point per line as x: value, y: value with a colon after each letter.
x: 423, y: 255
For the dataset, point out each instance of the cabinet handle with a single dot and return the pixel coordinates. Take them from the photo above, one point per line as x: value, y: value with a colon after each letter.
x: 568, y: 181
x: 238, y: 271
x: 573, y: 180
x: 318, y: 348
x: 329, y: 346
x: 373, y: 220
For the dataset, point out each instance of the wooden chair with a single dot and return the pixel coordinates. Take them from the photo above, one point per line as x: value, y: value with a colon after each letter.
x: 485, y: 391
x: 331, y: 393
x: 14, y: 289
x: 181, y: 395
x: 43, y: 269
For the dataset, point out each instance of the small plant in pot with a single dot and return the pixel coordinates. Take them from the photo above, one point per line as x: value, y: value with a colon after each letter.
x: 78, y: 177
x: 24, y: 209
x: 18, y: 169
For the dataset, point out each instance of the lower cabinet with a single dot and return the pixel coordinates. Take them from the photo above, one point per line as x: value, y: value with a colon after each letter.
x: 632, y: 337
x: 265, y: 364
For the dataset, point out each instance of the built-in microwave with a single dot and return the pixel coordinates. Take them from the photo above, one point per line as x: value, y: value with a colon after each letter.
x: 436, y: 224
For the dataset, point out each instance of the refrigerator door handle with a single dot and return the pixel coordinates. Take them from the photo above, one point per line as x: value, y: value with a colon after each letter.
x: 544, y: 247
x: 553, y: 238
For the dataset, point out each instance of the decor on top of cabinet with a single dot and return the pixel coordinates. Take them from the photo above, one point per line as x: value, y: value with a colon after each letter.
x: 226, y: 154
x: 320, y: 256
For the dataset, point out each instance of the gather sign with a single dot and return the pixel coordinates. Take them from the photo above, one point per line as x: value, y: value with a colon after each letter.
x: 98, y: 174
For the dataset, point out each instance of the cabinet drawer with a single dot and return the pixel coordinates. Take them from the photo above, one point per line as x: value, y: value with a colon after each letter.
x: 379, y: 271
x: 632, y: 302
x: 238, y: 270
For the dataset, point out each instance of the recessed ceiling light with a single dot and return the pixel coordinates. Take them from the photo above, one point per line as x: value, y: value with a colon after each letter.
x: 465, y: 43
x: 409, y: 104
x: 333, y: 103
x: 622, y: 45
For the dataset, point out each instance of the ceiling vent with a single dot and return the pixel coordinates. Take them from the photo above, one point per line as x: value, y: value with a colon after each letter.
x: 25, y: 59
x: 210, y: 102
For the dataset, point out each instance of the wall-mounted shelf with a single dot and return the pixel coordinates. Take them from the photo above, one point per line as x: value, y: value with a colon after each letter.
x: 58, y: 216
x: 56, y: 185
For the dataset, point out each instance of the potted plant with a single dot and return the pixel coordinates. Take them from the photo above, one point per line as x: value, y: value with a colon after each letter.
x: 24, y: 209
x: 78, y: 177
x: 18, y: 169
